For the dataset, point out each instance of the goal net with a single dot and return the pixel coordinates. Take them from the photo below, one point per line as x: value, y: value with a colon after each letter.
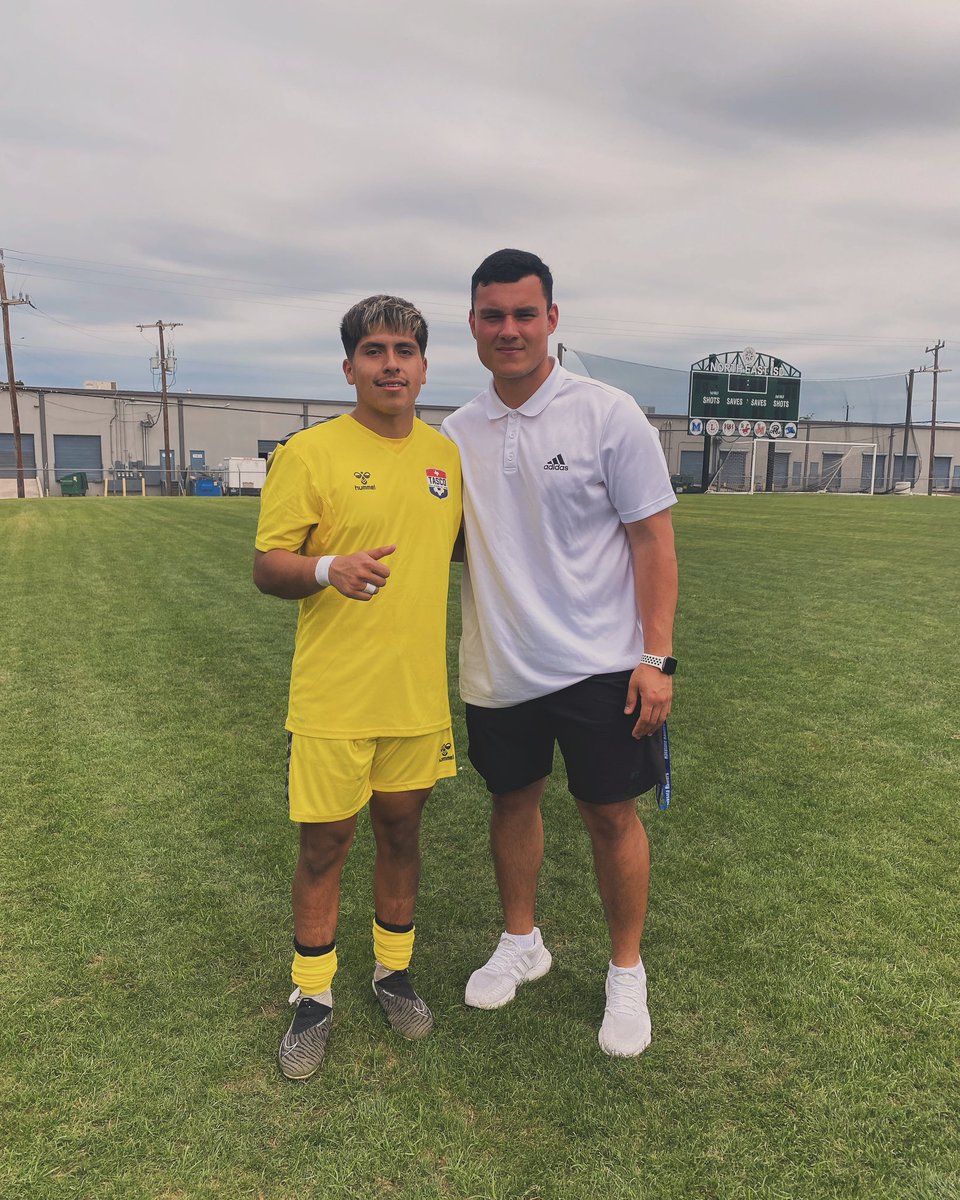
x: 791, y: 465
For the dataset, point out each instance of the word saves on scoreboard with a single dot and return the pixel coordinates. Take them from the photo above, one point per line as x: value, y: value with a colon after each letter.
x: 742, y: 392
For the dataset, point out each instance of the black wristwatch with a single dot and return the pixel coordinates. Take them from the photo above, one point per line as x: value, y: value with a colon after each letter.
x: 667, y: 665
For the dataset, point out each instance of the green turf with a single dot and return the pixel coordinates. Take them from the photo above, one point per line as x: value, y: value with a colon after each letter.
x: 802, y: 942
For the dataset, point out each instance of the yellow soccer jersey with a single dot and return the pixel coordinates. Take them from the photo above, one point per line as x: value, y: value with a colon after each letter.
x: 376, y: 668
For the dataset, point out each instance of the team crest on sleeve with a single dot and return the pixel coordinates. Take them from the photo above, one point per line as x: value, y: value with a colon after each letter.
x: 437, y: 482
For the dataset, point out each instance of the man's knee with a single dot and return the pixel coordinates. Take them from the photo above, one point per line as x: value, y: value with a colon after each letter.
x: 398, y: 837
x: 523, y: 800
x: 610, y: 822
x: 396, y: 823
x: 324, y: 846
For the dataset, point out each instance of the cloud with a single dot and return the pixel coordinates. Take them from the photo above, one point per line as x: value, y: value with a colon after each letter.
x: 739, y: 171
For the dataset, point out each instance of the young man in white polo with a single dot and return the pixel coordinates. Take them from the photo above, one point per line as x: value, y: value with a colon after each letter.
x: 358, y: 519
x: 569, y: 594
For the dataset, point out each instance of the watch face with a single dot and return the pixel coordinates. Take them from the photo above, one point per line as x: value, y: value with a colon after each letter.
x: 669, y: 665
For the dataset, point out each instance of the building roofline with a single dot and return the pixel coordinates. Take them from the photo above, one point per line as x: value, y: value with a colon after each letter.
x: 190, y: 397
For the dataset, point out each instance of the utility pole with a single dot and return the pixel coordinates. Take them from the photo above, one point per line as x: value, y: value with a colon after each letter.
x: 906, y: 426
x: 6, y: 304
x: 935, y: 351
x: 160, y: 327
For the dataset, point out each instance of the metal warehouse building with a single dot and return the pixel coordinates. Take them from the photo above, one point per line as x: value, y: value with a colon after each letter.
x: 116, y: 439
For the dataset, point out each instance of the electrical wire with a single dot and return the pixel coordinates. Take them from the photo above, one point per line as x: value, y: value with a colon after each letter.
x: 217, y: 287
x: 69, y: 325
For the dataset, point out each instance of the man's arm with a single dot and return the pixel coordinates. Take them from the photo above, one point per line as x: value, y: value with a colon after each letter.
x: 655, y: 574
x: 293, y: 576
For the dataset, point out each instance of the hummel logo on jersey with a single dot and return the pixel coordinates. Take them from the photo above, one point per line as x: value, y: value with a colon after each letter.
x: 446, y: 752
x: 556, y: 464
x: 362, y: 484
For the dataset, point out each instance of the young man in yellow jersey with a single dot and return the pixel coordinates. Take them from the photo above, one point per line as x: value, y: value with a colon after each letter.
x: 358, y: 519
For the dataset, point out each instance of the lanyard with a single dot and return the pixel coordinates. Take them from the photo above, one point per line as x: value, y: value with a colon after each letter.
x: 665, y: 789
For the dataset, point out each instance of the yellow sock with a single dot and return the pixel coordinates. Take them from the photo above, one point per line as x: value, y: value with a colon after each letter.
x: 313, y: 973
x: 392, y: 950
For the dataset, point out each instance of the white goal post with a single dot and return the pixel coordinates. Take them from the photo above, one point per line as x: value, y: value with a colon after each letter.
x: 799, y: 466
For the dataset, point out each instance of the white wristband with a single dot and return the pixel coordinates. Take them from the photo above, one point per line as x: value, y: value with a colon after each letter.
x: 323, y: 570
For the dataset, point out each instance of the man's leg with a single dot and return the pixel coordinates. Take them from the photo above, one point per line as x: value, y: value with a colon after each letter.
x: 316, y: 879
x: 621, y: 858
x: 395, y: 817
x: 516, y: 839
x: 316, y: 902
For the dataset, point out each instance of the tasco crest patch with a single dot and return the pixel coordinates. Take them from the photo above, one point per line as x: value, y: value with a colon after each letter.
x: 437, y: 482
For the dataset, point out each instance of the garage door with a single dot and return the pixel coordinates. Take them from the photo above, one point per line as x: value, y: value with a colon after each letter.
x: 77, y: 452
x: 8, y: 456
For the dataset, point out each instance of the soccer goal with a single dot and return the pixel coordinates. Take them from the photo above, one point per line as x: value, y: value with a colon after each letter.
x: 853, y: 468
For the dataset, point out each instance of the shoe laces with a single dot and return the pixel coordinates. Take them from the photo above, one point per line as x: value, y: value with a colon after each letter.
x: 297, y: 996
x: 508, y: 954
x: 626, y: 995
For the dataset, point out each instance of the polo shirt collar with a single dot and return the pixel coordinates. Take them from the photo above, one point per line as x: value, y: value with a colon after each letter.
x: 494, y: 407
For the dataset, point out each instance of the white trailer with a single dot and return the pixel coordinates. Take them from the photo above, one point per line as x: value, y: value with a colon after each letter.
x: 243, y: 476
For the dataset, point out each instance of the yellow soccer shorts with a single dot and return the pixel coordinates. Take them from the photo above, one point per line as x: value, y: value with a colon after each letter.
x: 330, y: 779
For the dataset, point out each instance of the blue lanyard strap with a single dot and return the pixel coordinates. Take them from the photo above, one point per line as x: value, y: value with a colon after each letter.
x: 665, y: 789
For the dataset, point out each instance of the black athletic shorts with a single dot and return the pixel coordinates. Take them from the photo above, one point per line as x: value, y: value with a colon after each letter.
x: 513, y: 747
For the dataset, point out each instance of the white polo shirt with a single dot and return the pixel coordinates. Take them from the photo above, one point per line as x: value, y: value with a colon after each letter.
x: 548, y: 591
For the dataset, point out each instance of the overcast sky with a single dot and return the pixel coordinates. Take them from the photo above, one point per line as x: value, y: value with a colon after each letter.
x: 701, y: 176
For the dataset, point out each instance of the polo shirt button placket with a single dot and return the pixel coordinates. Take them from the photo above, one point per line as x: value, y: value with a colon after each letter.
x: 510, y: 443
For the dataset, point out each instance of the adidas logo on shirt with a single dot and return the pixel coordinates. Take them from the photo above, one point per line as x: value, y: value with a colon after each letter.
x: 556, y: 464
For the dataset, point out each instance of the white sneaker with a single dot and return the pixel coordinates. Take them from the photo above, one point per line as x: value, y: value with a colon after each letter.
x: 625, y: 1031
x: 496, y: 982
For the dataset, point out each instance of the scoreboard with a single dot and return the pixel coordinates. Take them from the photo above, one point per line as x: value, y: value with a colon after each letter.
x: 744, y: 387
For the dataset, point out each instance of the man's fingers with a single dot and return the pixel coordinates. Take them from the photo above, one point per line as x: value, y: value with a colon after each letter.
x: 363, y: 590
x: 361, y: 575
x: 644, y: 723
x: 651, y: 719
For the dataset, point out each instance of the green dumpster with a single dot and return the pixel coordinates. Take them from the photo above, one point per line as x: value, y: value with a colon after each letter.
x: 74, y: 485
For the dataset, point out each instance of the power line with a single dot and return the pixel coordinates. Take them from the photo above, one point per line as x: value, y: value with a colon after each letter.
x: 217, y: 287
x: 79, y: 328
x: 31, y: 257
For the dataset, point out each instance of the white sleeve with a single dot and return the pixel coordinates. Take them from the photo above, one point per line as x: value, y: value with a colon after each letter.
x: 632, y: 462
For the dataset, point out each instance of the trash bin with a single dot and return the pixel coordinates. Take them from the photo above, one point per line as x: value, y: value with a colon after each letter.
x: 206, y: 487
x: 74, y: 485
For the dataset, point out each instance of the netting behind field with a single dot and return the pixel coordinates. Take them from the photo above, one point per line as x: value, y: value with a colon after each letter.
x: 865, y: 401
x: 744, y: 465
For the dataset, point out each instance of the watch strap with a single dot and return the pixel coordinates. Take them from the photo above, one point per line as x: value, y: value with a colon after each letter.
x: 666, y: 663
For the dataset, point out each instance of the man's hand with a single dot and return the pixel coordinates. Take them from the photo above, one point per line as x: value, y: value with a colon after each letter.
x: 351, y: 573
x: 654, y: 690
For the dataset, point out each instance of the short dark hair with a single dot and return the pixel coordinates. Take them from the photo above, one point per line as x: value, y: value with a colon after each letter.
x: 392, y: 313
x: 507, y: 266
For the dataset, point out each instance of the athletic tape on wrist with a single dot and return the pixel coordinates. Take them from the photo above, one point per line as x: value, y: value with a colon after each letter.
x: 322, y: 571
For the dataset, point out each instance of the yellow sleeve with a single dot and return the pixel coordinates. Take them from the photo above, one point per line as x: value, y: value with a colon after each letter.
x: 290, y: 505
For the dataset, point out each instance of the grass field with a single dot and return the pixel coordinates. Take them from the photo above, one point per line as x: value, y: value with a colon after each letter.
x: 802, y: 944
